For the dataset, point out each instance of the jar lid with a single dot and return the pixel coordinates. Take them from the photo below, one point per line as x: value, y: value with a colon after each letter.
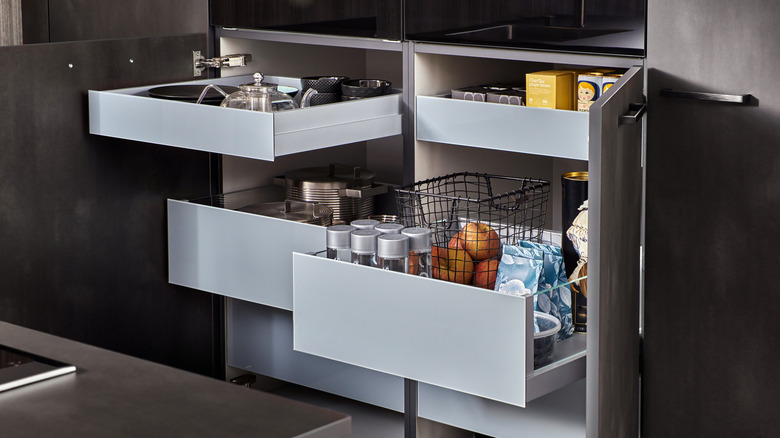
x: 364, y: 224
x: 419, y: 238
x: 392, y: 245
x: 364, y: 241
x: 339, y: 236
x: 389, y: 228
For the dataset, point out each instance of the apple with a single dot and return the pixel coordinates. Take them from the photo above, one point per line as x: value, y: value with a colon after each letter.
x: 456, y: 241
x: 480, y: 240
x: 485, y: 274
x: 452, y: 264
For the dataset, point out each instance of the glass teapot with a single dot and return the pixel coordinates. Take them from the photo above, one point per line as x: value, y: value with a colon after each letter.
x: 259, y: 97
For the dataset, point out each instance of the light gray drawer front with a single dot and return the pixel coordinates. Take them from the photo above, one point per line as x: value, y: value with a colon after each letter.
x: 539, y: 131
x: 236, y: 254
x: 458, y: 337
x: 130, y: 114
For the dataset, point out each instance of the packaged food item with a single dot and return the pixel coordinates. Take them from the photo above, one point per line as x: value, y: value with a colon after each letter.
x: 519, y: 270
x: 588, y: 90
x: 510, y: 96
x: 477, y: 93
x: 578, y: 234
x: 608, y: 81
x: 557, y: 300
x: 550, y: 89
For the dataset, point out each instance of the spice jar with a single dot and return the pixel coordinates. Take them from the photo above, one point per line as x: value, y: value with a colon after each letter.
x: 419, y: 250
x: 364, y: 224
x: 338, y: 242
x: 364, y: 247
x: 392, y: 252
x: 388, y: 228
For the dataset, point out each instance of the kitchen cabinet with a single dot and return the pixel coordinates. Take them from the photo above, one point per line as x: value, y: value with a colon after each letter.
x: 356, y: 18
x: 711, y: 186
x: 310, y: 324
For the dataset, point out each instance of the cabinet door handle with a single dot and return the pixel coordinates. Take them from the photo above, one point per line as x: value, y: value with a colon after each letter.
x: 739, y: 99
x: 635, y: 112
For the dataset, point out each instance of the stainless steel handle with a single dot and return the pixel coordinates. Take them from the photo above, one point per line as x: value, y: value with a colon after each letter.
x: 739, y: 99
x: 376, y: 189
x: 636, y: 111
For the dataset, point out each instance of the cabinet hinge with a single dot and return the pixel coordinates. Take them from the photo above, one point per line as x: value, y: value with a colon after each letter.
x: 200, y: 63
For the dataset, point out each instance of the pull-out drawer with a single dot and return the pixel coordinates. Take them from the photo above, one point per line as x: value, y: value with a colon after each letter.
x: 458, y: 337
x: 131, y: 114
x: 216, y: 248
x: 513, y: 128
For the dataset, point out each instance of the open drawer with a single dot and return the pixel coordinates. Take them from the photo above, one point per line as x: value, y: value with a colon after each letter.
x: 458, y: 337
x: 513, y: 128
x: 131, y: 114
x: 216, y: 248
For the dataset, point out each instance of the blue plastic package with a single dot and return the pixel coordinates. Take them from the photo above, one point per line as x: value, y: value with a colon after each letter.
x: 556, y: 301
x: 519, y: 270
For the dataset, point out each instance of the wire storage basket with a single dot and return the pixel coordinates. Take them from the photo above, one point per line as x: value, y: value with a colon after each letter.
x: 515, y: 208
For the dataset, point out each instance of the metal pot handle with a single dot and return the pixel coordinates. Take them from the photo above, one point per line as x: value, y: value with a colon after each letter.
x: 374, y: 190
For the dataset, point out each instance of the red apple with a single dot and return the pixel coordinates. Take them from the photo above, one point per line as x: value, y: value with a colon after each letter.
x: 485, y: 274
x: 452, y: 264
x: 480, y: 240
x: 456, y: 241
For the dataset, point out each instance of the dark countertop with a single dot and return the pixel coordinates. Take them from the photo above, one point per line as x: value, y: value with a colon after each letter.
x: 112, y: 395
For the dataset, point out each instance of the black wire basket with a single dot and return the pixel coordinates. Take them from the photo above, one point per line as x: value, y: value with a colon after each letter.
x: 515, y: 208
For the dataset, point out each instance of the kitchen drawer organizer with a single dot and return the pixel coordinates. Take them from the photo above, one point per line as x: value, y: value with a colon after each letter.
x: 130, y: 114
x: 512, y: 128
x: 215, y: 248
x: 445, y: 334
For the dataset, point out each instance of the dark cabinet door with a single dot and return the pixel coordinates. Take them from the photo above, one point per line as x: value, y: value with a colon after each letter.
x: 83, y: 218
x: 614, y: 231
x: 359, y: 18
x: 713, y: 203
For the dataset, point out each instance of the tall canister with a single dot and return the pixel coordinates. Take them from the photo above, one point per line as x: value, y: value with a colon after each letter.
x: 575, y: 193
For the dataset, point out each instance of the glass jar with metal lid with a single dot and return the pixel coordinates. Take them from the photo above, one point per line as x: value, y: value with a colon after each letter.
x: 392, y: 252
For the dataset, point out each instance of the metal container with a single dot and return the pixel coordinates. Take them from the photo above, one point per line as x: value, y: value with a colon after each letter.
x: 292, y: 210
x: 348, y: 191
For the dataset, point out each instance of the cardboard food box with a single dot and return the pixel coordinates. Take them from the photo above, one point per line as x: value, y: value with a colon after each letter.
x: 550, y: 89
x: 588, y: 90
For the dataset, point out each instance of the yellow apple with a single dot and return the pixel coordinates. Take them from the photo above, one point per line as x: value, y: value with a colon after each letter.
x: 452, y: 264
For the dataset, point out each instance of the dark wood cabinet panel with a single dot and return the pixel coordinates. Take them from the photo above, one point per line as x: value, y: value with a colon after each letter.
x: 78, y: 20
x: 361, y: 18
x: 713, y: 203
x: 83, y: 218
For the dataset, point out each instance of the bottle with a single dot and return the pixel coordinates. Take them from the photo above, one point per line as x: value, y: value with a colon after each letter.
x: 364, y: 247
x: 419, y: 250
x: 338, y: 242
x: 392, y: 252
x: 389, y: 228
x: 364, y: 224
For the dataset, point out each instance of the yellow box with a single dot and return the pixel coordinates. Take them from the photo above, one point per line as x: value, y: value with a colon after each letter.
x: 550, y: 89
